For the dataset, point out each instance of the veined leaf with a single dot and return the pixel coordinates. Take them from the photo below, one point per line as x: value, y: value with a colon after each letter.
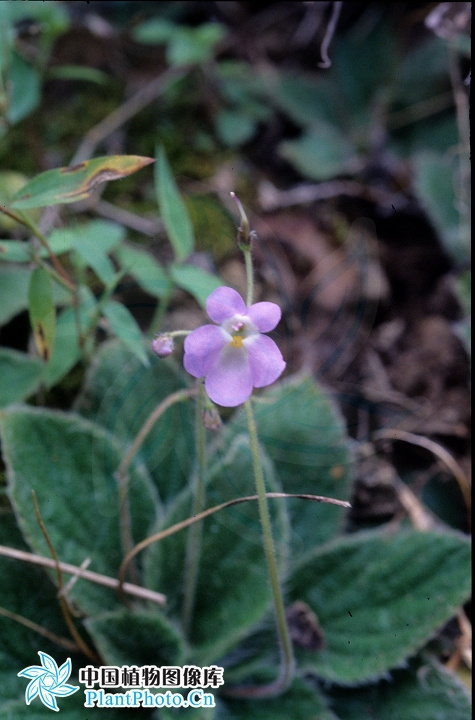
x: 196, y: 281
x: 119, y: 393
x: 145, y: 269
x: 70, y: 463
x: 42, y: 314
x: 172, y: 209
x: 70, y: 184
x: 20, y: 375
x: 379, y: 598
x: 124, y: 325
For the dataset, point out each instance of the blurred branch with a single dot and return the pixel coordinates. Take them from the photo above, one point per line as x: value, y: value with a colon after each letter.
x: 440, y: 452
x: 326, y: 62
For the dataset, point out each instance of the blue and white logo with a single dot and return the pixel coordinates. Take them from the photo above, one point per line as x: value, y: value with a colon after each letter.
x: 48, y: 681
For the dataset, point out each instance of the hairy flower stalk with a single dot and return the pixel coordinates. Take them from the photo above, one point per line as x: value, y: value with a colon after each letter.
x: 234, y: 356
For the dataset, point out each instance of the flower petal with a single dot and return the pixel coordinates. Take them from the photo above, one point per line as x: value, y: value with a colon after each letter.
x: 265, y: 360
x: 64, y: 671
x: 202, y: 348
x: 224, y: 302
x: 265, y: 315
x: 229, y: 380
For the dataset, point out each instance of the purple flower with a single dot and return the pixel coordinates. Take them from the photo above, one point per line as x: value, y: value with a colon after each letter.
x: 234, y: 357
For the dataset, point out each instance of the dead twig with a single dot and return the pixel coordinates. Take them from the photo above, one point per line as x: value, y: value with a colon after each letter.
x: 104, y: 580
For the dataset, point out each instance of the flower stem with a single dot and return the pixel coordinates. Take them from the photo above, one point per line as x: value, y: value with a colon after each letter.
x: 286, y: 650
x: 193, y: 548
x: 249, y: 274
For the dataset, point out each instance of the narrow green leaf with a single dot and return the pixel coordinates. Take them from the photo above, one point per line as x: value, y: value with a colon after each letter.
x: 142, y: 637
x: 25, y: 89
x: 14, y: 282
x: 20, y: 376
x: 172, y: 209
x: 303, y: 433
x: 379, y: 598
x: 93, y: 241
x: 66, y: 351
x: 70, y: 184
x: 120, y: 393
x: 70, y: 463
x: 425, y: 691
x: 42, y: 313
x: 15, y: 251
x: 196, y: 281
x: 78, y: 72
x: 124, y: 325
x: 233, y: 591
x: 154, y: 31
x: 145, y: 269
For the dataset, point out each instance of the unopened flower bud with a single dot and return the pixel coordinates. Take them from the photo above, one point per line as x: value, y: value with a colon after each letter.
x: 211, y: 418
x: 163, y: 345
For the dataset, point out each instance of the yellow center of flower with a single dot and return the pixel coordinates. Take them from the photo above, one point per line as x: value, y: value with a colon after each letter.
x: 236, y: 342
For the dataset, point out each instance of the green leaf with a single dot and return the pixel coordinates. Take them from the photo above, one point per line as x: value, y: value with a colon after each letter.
x: 196, y: 281
x: 235, y: 127
x: 70, y: 462
x: 322, y: 153
x: 120, y: 393
x: 141, y: 637
x: 66, y: 351
x: 232, y: 591
x: 426, y: 691
x: 42, y: 313
x: 21, y: 376
x: 364, y: 65
x: 172, y: 209
x: 298, y: 702
x: 25, y: 89
x: 145, y: 269
x: 423, y: 74
x: 70, y: 184
x: 93, y: 241
x: 14, y: 282
x: 124, y: 325
x: 78, y: 72
x: 434, y: 181
x: 15, y: 251
x: 379, y: 598
x: 155, y: 31
x: 308, y: 101
x: 303, y: 433
x: 194, y: 45
x: 26, y: 591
